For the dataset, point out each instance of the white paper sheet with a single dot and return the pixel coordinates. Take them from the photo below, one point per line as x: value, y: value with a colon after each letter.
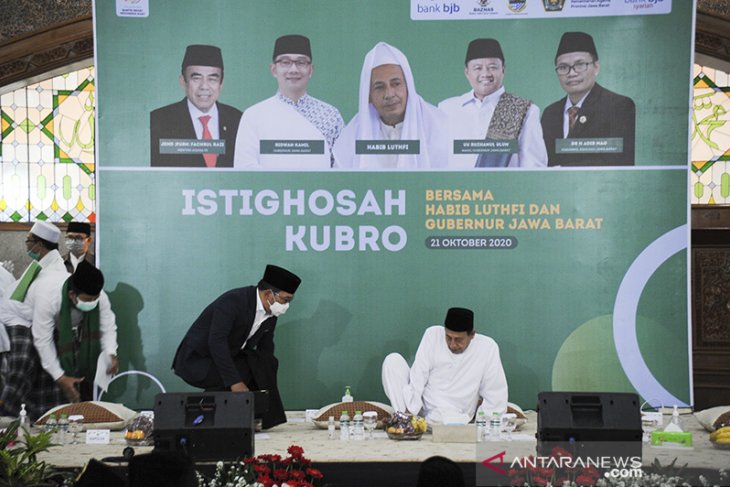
x: 103, y: 379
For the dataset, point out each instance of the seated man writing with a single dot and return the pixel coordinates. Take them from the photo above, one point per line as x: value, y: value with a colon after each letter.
x: 455, y: 370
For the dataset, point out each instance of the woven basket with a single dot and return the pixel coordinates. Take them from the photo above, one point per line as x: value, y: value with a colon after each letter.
x: 101, y: 414
x: 322, y: 416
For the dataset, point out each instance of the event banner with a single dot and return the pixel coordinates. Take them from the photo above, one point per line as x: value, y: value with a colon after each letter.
x: 527, y: 160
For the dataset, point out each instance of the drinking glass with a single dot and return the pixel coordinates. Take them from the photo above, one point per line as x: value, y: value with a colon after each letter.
x: 370, y: 420
x: 650, y: 422
x: 75, y: 425
x: 509, y: 423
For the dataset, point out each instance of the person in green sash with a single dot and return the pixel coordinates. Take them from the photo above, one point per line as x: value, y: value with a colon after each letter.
x: 72, y: 330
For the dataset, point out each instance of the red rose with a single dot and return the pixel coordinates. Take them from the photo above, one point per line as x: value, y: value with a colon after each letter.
x: 281, y: 474
x: 262, y: 469
x: 517, y: 480
x: 296, y: 475
x: 560, y: 452
x: 268, y: 458
x: 585, y: 480
x: 266, y: 480
x: 295, y: 451
x: 314, y: 473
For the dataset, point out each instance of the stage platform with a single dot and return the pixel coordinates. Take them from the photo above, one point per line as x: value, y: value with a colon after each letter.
x: 355, y: 463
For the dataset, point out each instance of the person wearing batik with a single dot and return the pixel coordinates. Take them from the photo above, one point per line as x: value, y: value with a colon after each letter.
x: 487, y: 111
x: 74, y: 329
x: 390, y: 109
x: 291, y: 116
x: 456, y: 371
x: 78, y: 242
x: 45, y: 274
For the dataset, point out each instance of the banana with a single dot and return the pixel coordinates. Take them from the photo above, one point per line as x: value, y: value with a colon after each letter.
x: 721, y: 434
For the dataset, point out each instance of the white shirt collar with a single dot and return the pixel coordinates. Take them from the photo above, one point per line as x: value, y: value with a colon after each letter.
x: 75, y: 260
x: 491, y: 98
x: 569, y: 104
x: 195, y: 113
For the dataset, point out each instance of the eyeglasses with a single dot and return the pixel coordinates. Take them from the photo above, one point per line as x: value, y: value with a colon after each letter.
x: 30, y: 241
x: 286, y: 300
x: 287, y: 63
x: 579, y: 67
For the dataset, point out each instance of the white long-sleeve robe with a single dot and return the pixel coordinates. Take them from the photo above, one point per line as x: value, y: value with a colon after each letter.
x: 446, y: 386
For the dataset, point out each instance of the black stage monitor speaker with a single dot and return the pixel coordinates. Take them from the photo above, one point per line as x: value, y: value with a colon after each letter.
x: 589, y: 423
x: 205, y: 425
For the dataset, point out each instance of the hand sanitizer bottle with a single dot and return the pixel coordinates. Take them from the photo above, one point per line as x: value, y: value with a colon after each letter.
x: 24, y: 424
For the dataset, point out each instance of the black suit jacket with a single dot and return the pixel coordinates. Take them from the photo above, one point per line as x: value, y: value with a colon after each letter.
x: 604, y: 114
x: 174, y: 122
x: 217, y: 335
x: 89, y: 257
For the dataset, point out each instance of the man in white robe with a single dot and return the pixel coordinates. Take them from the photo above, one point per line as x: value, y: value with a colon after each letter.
x: 295, y: 130
x: 44, y: 276
x: 390, y: 109
x: 455, y: 371
x: 487, y: 111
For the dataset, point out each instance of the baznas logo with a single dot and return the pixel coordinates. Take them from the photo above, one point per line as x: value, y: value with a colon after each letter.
x: 483, y: 3
x: 517, y: 6
x: 553, y: 5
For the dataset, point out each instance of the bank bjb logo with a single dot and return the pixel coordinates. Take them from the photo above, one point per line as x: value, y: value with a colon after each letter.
x: 553, y: 5
x: 517, y: 6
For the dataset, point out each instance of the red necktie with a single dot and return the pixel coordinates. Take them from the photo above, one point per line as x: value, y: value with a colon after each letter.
x: 572, y: 115
x: 210, y: 159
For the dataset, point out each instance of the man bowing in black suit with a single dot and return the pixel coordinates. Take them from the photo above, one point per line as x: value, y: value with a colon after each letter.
x: 592, y: 126
x: 230, y: 346
x: 196, y: 131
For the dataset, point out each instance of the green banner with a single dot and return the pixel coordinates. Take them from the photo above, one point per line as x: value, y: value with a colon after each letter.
x: 580, y: 274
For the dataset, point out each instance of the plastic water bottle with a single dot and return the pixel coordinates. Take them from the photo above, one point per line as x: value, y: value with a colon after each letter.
x: 358, y: 432
x: 344, y: 426
x: 52, y: 427
x: 24, y: 423
x: 63, y: 429
x: 331, y: 428
x: 481, y: 422
x: 495, y: 424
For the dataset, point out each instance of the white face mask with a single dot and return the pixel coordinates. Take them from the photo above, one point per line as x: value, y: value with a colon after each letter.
x: 86, y: 306
x: 278, y: 309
